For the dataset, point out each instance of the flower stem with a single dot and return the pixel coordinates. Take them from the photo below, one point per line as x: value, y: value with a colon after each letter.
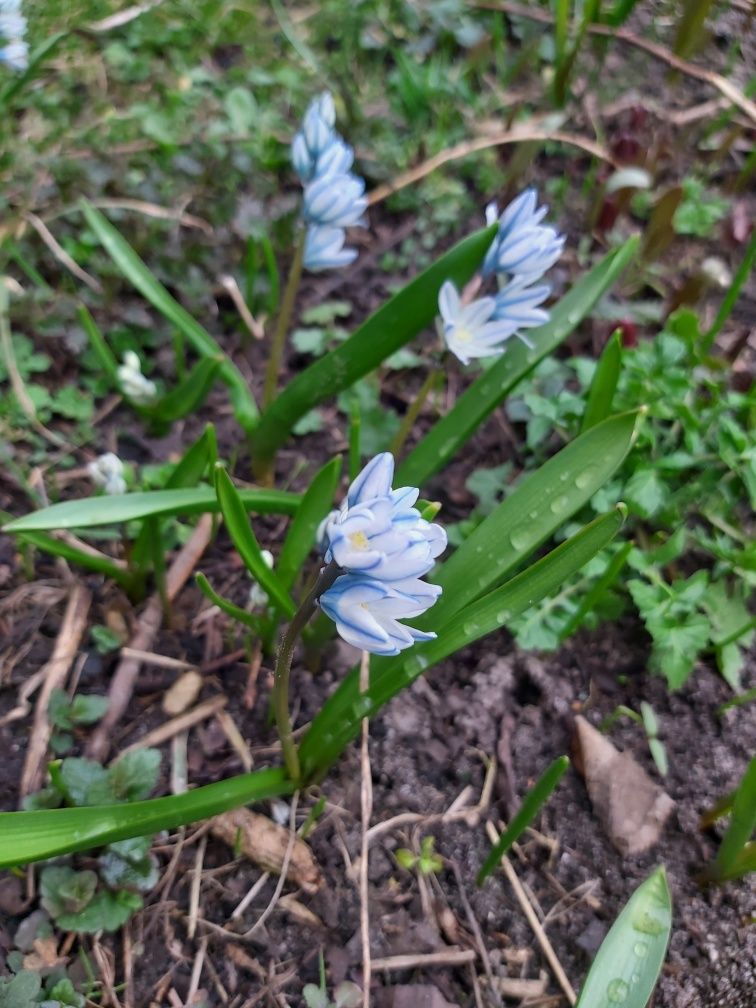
x: 283, y: 667
x: 413, y: 411
x: 282, y: 324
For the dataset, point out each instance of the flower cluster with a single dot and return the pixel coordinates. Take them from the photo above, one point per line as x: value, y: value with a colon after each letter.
x: 384, y: 547
x: 520, y: 254
x: 133, y: 383
x: 333, y: 195
x: 14, y: 51
x: 107, y: 472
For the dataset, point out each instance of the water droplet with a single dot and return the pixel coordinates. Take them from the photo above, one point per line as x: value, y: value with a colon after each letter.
x: 635, y: 978
x: 533, y: 515
x: 478, y: 549
x: 362, y: 707
x: 583, y: 479
x: 470, y: 629
x: 647, y: 924
x: 617, y: 990
x: 641, y: 949
x: 520, y: 537
x: 422, y: 662
x: 503, y: 616
x: 559, y: 504
x: 564, y: 477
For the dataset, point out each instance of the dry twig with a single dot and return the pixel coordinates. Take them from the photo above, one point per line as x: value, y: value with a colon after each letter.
x: 55, y: 671
x: 423, y: 960
x: 122, y: 686
x: 178, y: 724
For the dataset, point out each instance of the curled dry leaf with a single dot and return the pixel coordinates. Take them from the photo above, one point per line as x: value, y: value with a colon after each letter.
x: 182, y: 693
x: 264, y: 842
x: 632, y: 809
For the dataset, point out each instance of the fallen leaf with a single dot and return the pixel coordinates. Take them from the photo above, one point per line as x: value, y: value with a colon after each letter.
x: 44, y: 955
x: 264, y: 842
x: 632, y: 809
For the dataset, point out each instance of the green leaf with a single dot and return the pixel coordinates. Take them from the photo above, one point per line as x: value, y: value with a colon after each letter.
x: 135, y: 774
x: 448, y: 434
x: 105, y: 357
x: 488, y: 486
x: 108, y: 911
x: 64, y: 890
x: 247, y: 619
x: 118, y: 872
x: 542, y: 502
x: 93, y: 511
x: 20, y: 991
x: 604, y: 384
x: 535, y: 799
x: 741, y: 828
x: 94, y: 561
x: 239, y: 528
x: 189, y: 394
x: 645, y: 492
x: 394, y: 324
x: 631, y: 956
x: 338, y: 721
x: 316, y: 504
x: 85, y: 782
x: 36, y: 835
x: 198, y: 460
x: 597, y: 591
x: 132, y: 267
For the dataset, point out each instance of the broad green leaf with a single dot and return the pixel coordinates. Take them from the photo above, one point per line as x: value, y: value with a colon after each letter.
x: 542, y: 502
x: 134, y: 774
x: 108, y: 911
x: 189, y: 394
x: 531, y: 806
x: 239, y: 528
x: 397, y: 322
x: 132, y: 267
x: 197, y: 461
x: 448, y: 434
x: 317, y: 501
x: 94, y: 561
x: 631, y: 956
x: 592, y: 597
x: 93, y: 511
x: 33, y: 836
x: 742, y: 826
x: 604, y: 383
x: 247, y: 619
x: 338, y: 721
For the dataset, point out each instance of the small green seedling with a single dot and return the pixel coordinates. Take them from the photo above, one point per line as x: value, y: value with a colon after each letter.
x: 65, y: 714
x: 427, y: 862
x: 737, y: 852
x: 648, y: 719
x: 345, y: 995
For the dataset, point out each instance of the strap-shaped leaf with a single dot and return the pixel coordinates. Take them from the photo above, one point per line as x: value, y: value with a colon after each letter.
x: 631, y: 956
x: 132, y: 267
x: 198, y: 460
x: 741, y: 829
x: 604, y: 383
x: 105, y: 356
x: 94, y: 561
x: 397, y: 322
x: 338, y: 721
x: 542, y: 502
x: 247, y: 619
x: 237, y: 522
x: 33, y: 836
x: 451, y: 432
x: 93, y: 511
x: 532, y: 803
x: 190, y: 393
x: 317, y: 501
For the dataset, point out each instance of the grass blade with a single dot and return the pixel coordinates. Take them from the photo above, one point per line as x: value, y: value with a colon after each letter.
x: 604, y: 384
x: 237, y: 522
x: 317, y: 501
x: 190, y: 393
x: 247, y: 619
x: 531, y: 806
x: 631, y: 956
x: 132, y: 267
x: 34, y: 836
x: 452, y: 431
x: 105, y: 357
x: 742, y: 825
x: 91, y: 512
x: 94, y: 561
x: 398, y: 321
x: 728, y: 302
x: 338, y: 722
x: 542, y: 502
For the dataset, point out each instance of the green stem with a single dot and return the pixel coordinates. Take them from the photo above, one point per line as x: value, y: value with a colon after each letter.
x: 283, y: 667
x: 282, y: 324
x: 412, y: 413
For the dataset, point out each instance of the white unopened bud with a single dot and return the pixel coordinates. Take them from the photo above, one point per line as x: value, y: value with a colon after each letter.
x: 258, y: 598
x: 107, y: 472
x: 133, y: 383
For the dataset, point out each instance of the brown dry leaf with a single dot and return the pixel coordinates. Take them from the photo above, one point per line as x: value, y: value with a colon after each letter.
x: 182, y: 693
x: 632, y: 809
x: 516, y: 989
x: 264, y: 842
x: 44, y: 955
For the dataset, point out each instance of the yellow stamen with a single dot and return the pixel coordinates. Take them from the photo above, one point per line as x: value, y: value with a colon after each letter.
x: 359, y: 540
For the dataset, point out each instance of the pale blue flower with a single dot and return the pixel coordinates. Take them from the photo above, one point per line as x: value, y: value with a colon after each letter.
x: 366, y: 612
x: 335, y: 201
x: 471, y: 330
x: 384, y: 546
x: 15, y: 52
x: 12, y: 25
x: 15, y: 55
x: 324, y: 248
x: 523, y: 247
